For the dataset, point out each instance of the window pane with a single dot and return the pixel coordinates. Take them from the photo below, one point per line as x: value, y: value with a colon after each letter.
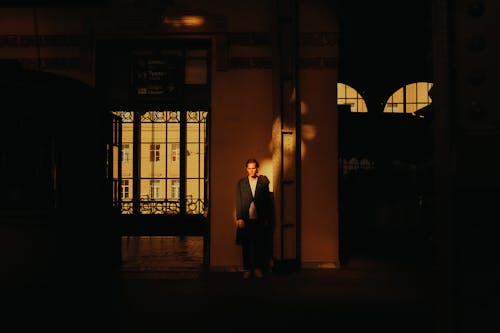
x: 193, y: 132
x: 348, y: 95
x: 194, y: 160
x: 410, y: 108
x: 341, y: 91
x: 127, y: 133
x: 150, y: 159
x: 173, y: 132
x: 423, y: 92
x: 410, y: 98
x: 173, y: 189
x: 127, y: 192
x: 173, y: 160
x: 395, y: 103
x: 411, y: 93
x: 153, y: 132
x: 398, y: 96
x: 152, y: 189
x: 194, y: 196
x: 195, y: 144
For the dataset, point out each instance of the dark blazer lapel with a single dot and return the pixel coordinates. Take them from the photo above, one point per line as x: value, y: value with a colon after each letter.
x: 258, y: 186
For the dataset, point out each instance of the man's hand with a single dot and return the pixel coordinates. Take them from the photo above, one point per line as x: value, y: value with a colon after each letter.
x: 241, y: 223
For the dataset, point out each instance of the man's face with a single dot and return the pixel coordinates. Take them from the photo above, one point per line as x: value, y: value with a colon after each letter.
x: 252, y: 170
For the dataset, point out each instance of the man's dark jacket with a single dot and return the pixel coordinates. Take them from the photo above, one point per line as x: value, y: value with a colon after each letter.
x: 262, y: 199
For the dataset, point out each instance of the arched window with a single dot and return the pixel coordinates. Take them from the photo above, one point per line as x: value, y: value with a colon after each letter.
x: 409, y: 99
x: 346, y: 95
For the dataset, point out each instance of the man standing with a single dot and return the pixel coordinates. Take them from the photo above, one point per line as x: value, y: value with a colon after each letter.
x: 254, y: 217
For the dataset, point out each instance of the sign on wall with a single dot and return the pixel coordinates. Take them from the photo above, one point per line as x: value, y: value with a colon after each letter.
x: 156, y: 76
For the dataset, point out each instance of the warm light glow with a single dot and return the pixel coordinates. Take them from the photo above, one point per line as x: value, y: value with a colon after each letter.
x: 346, y: 95
x: 409, y: 99
x: 303, y: 149
x: 184, y: 21
x: 266, y: 168
x: 304, y: 108
x: 159, y: 148
x: 308, y: 132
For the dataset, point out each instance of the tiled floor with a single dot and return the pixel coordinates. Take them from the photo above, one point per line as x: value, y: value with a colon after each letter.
x: 168, y: 255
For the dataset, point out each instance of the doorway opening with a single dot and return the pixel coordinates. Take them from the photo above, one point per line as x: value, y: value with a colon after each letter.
x: 161, y: 191
x: 158, y: 91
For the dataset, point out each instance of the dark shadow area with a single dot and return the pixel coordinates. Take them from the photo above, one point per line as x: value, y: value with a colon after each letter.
x: 385, y: 159
x: 54, y: 181
x: 375, y: 291
x: 385, y: 179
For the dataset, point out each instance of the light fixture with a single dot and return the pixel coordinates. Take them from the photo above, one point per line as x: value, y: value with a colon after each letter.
x: 184, y: 21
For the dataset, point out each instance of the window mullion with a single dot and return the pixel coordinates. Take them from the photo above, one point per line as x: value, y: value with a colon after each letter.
x: 183, y: 181
x: 136, y: 184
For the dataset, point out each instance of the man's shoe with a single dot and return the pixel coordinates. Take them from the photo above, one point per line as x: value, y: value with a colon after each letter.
x: 246, y: 275
x: 258, y: 273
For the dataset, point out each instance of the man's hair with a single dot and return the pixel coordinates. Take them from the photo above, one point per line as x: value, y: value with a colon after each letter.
x: 252, y: 160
